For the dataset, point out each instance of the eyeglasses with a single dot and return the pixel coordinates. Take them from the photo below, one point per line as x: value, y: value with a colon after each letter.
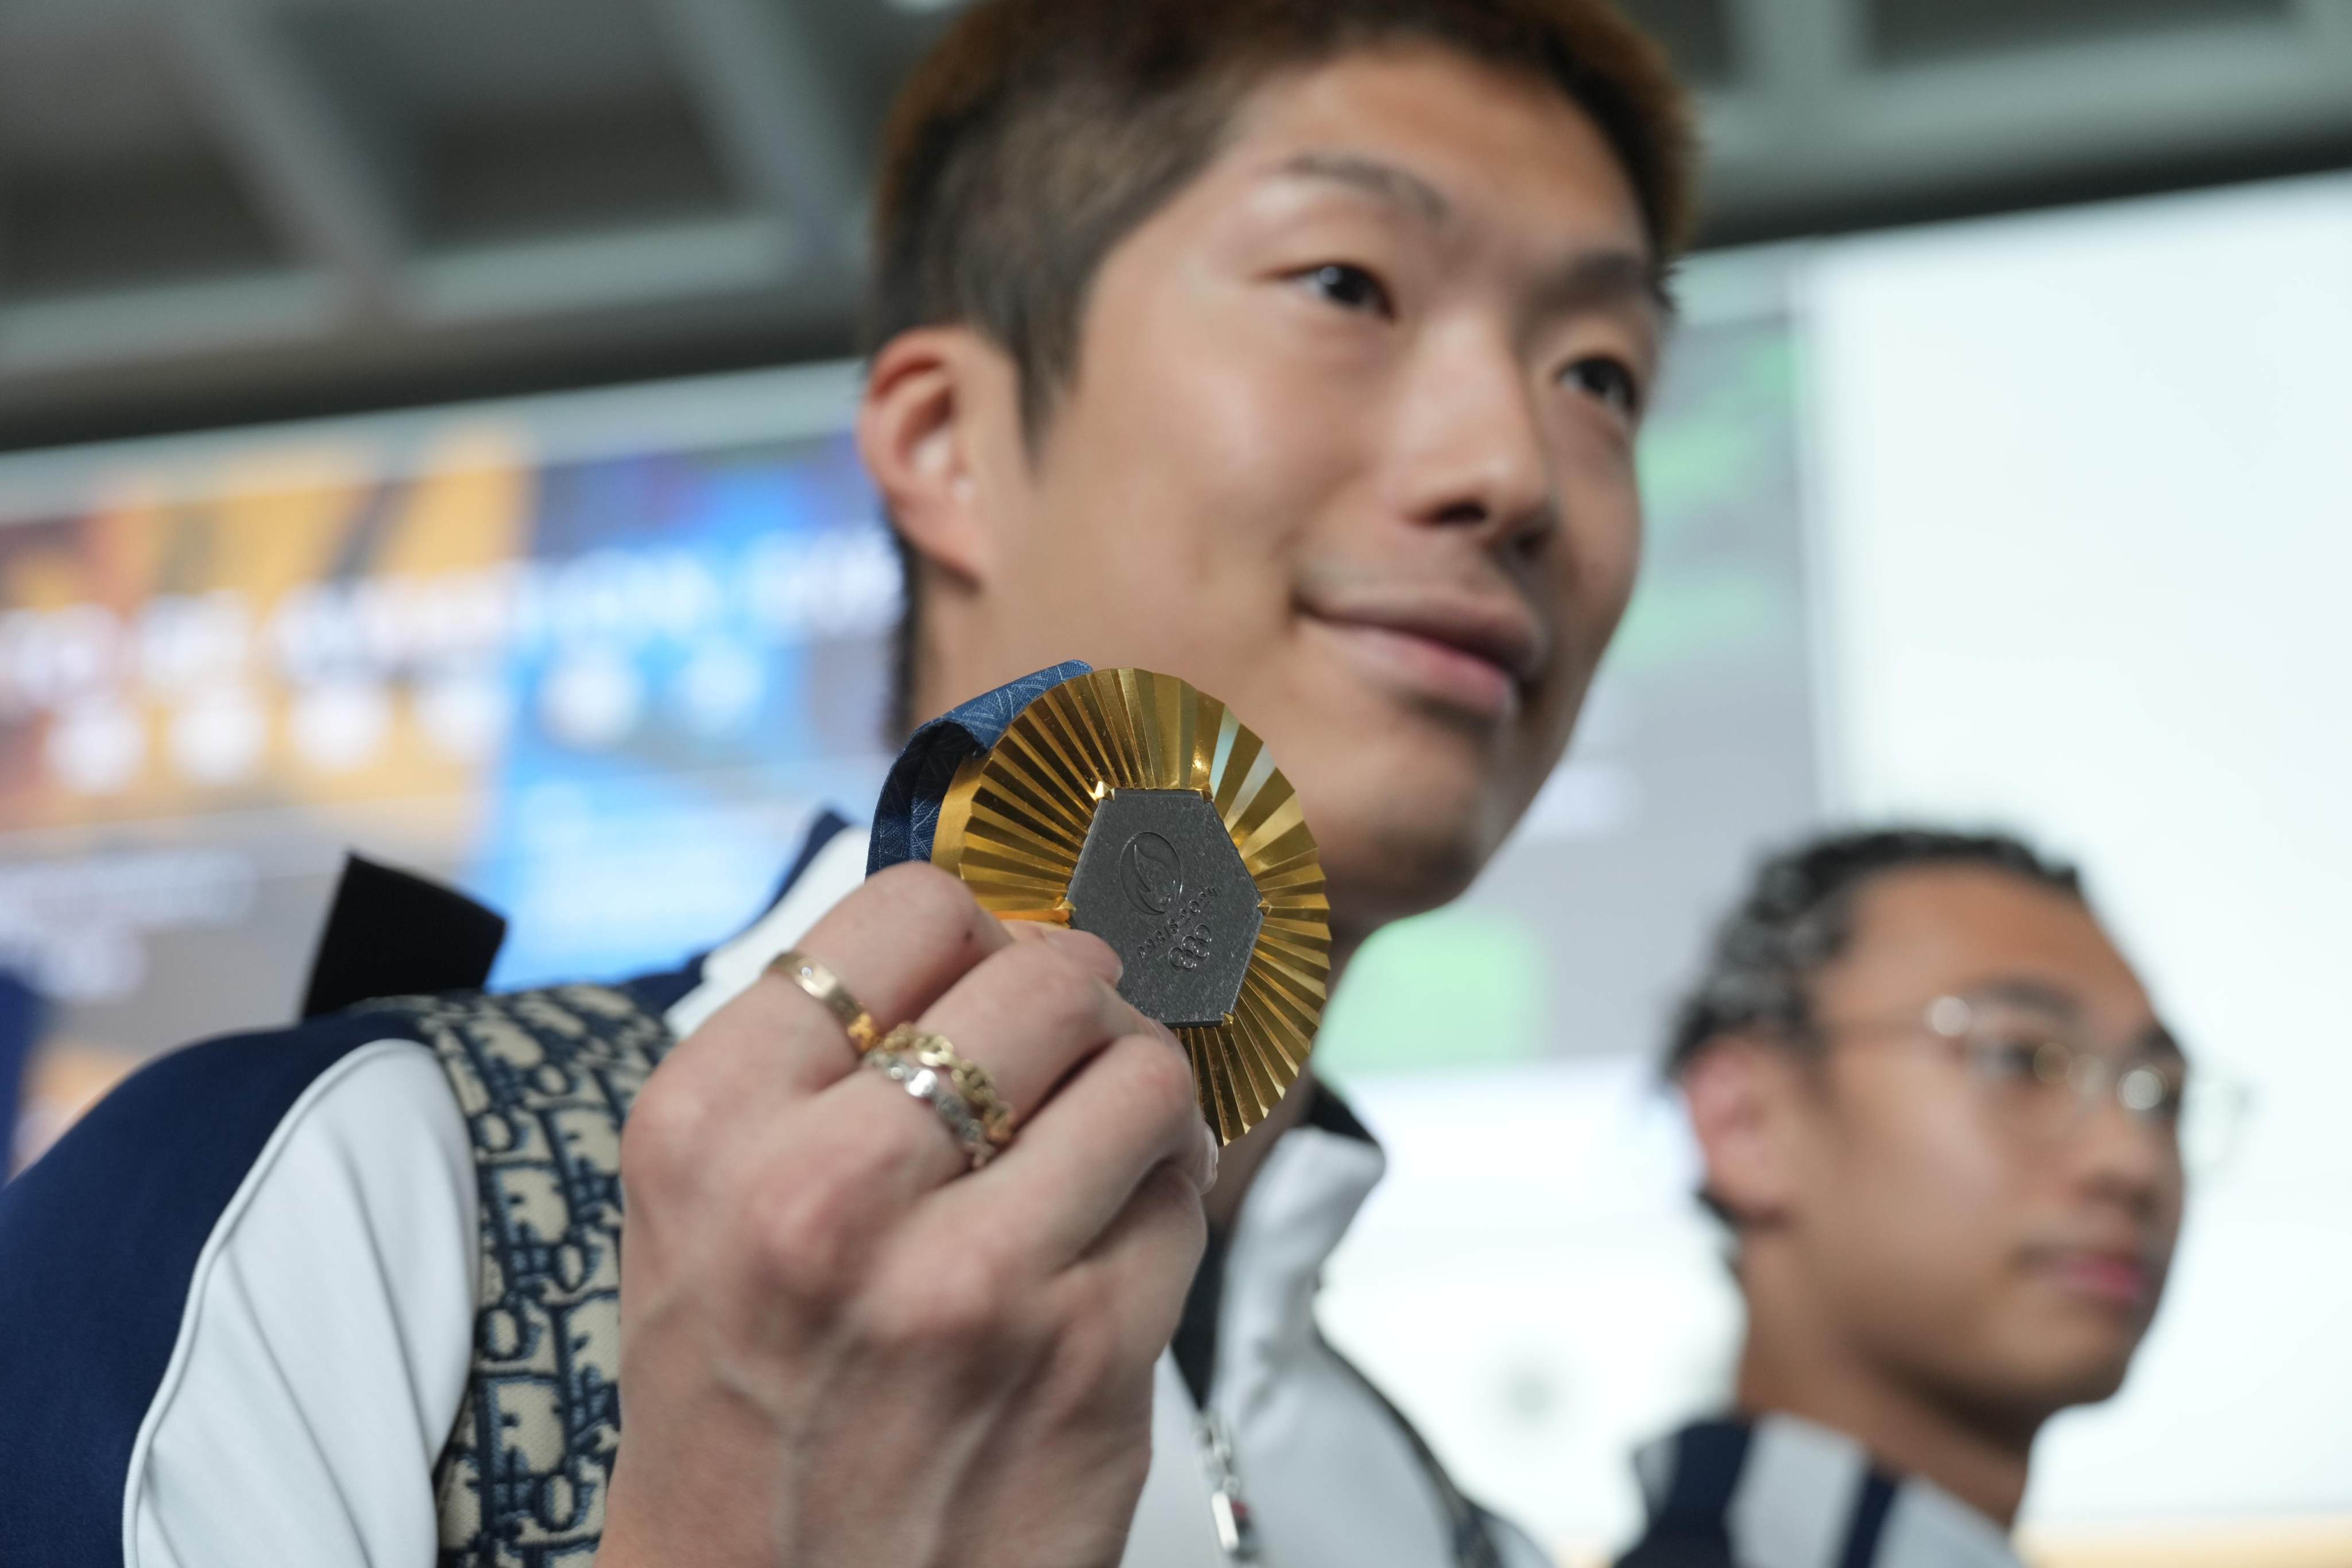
x: 2039, y: 1076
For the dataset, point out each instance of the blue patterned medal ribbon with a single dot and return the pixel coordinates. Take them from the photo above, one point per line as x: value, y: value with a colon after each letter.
x: 908, y: 816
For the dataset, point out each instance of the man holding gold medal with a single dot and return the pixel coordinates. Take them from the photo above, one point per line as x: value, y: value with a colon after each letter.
x: 1282, y: 360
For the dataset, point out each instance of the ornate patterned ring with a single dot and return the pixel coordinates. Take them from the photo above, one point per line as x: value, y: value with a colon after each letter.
x: 957, y: 1090
x: 826, y: 986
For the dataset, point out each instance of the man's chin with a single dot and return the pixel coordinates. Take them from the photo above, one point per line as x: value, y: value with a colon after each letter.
x: 2092, y: 1381
x: 1385, y: 864
x: 1406, y: 811
x: 2079, y: 1364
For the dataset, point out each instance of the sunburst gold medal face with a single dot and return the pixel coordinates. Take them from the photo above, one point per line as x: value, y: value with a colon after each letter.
x: 1127, y: 804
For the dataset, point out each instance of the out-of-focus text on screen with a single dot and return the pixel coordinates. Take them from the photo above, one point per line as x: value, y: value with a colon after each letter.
x: 594, y: 658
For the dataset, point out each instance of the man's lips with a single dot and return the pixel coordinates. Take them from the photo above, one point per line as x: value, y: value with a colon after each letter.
x: 1479, y: 653
x: 2120, y: 1279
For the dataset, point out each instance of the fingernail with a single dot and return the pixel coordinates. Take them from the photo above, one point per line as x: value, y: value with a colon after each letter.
x: 1209, y: 1165
x: 1088, y: 950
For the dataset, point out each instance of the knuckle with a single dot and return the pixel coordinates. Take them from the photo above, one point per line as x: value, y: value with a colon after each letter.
x: 964, y: 1306
x: 804, y: 1239
x: 1051, y: 987
x: 1174, y: 1211
x: 1167, y: 1209
x: 665, y: 1123
x: 922, y: 893
x: 1174, y: 1225
x: 1159, y: 1081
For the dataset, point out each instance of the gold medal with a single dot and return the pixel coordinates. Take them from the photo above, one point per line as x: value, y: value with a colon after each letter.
x: 1127, y: 804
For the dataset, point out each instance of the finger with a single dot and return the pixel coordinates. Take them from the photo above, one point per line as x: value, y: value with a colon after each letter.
x: 1033, y: 1013
x: 1027, y: 1017
x: 832, y: 1169
x: 1143, y: 1264
x: 1084, y: 946
x: 898, y: 943
x: 1080, y: 1160
x: 893, y: 1151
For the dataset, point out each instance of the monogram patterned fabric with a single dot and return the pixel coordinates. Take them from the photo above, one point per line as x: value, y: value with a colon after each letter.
x: 545, y: 1080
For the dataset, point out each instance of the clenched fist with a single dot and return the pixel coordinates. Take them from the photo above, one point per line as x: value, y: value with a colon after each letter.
x: 838, y: 1346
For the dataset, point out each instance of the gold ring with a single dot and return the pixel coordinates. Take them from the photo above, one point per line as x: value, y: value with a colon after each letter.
x: 826, y: 986
x: 961, y: 1091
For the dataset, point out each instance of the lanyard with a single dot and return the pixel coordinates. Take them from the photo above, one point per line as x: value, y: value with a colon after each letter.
x: 1472, y: 1541
x: 1228, y: 1508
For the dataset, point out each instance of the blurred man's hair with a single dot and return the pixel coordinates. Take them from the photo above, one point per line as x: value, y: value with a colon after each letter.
x: 1039, y: 133
x: 1797, y: 916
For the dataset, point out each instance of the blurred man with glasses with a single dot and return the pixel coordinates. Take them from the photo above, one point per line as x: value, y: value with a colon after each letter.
x: 1948, y: 1133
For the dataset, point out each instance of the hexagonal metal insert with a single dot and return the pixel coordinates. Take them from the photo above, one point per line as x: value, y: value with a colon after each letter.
x: 1160, y: 880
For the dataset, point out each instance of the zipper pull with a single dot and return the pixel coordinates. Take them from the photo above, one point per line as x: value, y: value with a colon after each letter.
x: 1236, y: 1531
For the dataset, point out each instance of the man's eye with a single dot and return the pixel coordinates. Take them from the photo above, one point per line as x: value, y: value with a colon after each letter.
x: 2023, y: 1059
x: 2152, y: 1092
x: 1350, y: 288
x: 1609, y: 381
x: 2008, y: 1062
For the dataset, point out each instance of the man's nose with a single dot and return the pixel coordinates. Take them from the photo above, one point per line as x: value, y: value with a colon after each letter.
x: 1471, y: 447
x: 2126, y: 1157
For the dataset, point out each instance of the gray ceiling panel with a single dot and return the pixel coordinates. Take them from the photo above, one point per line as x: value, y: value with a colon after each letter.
x: 1697, y: 34
x: 75, y: 99
x: 436, y: 60
x: 1909, y: 30
x: 214, y: 210
x: 158, y: 217
x: 552, y: 168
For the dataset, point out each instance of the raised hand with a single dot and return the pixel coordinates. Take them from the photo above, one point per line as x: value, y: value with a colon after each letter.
x: 842, y: 1345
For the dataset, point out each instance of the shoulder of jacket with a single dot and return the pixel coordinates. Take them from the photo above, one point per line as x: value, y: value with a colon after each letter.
x: 104, y: 1242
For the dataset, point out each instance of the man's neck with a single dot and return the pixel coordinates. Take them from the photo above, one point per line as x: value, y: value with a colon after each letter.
x: 1982, y: 1463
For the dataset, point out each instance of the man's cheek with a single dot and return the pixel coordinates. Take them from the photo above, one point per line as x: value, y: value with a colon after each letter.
x: 1587, y: 599
x: 1612, y: 578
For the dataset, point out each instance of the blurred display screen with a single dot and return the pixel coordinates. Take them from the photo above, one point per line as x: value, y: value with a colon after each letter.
x: 593, y: 659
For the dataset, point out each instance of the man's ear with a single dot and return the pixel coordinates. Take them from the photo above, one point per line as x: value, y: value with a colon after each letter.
x: 930, y: 429
x: 1743, y: 1099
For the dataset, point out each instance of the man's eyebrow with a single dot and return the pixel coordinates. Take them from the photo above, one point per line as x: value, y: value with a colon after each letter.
x: 1400, y: 187
x: 2024, y: 991
x: 1600, y: 277
x: 1607, y: 277
x: 2156, y: 1039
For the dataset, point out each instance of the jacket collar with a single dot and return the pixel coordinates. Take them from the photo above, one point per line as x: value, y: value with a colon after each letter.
x: 1306, y: 1194
x: 1782, y: 1492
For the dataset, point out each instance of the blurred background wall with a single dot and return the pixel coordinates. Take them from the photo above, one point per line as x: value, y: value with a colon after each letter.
x: 428, y: 435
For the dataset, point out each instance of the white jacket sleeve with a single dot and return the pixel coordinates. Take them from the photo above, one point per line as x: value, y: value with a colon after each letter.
x: 326, y: 1338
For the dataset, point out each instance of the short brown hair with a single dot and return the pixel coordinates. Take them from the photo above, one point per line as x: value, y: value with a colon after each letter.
x: 1039, y: 133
